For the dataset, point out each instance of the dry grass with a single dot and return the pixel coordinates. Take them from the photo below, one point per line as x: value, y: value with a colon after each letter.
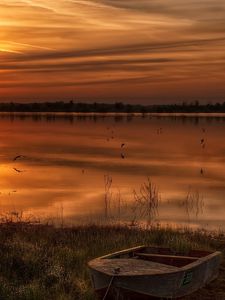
x: 44, y: 262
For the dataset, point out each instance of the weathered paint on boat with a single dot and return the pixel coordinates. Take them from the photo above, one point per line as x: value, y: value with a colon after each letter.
x: 151, y: 271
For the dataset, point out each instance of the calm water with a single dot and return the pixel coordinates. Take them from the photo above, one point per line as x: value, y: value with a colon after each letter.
x: 66, y: 159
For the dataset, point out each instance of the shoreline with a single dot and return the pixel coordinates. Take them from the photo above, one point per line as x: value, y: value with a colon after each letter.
x: 113, y: 114
x: 46, y: 262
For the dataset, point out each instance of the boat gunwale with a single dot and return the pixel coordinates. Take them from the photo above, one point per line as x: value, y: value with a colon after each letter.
x: 95, y: 262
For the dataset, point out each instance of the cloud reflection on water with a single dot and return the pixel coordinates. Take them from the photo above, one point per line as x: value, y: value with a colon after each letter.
x: 65, y: 164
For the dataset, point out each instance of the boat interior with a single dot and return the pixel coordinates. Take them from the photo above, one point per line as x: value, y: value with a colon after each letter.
x: 163, y: 256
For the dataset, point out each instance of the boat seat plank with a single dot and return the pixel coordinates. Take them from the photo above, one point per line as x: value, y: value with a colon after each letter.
x: 131, y: 266
x: 173, y: 260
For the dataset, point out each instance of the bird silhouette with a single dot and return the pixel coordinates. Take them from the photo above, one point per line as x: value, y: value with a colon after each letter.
x: 18, y: 171
x: 18, y: 156
x: 203, y: 143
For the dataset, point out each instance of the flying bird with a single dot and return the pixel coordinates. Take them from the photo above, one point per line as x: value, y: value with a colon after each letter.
x: 18, y: 171
x: 18, y: 156
x: 122, y: 155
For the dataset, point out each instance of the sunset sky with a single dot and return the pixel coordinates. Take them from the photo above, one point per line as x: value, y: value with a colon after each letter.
x: 146, y: 51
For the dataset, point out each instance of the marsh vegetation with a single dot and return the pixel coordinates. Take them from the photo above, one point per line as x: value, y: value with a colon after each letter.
x: 45, y: 262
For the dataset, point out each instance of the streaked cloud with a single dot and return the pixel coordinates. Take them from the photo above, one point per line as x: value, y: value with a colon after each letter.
x: 146, y: 49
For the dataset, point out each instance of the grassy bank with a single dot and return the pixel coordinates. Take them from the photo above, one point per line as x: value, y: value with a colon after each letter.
x: 43, y: 262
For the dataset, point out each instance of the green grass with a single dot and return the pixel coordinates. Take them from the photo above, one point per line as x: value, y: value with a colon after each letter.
x: 44, y: 262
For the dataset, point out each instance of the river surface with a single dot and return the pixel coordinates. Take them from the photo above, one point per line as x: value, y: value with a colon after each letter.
x: 67, y: 160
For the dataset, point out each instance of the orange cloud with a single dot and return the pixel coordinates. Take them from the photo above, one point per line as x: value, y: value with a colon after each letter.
x: 109, y: 49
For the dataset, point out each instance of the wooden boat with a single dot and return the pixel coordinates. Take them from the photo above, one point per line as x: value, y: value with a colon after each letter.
x: 152, y: 272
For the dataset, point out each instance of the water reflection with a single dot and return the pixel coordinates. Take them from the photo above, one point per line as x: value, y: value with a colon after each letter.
x: 66, y: 157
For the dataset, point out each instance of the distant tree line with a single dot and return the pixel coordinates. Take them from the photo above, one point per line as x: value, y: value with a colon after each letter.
x: 61, y: 106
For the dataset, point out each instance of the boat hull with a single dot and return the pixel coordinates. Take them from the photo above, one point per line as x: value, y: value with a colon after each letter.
x: 123, y: 294
x: 173, y: 285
